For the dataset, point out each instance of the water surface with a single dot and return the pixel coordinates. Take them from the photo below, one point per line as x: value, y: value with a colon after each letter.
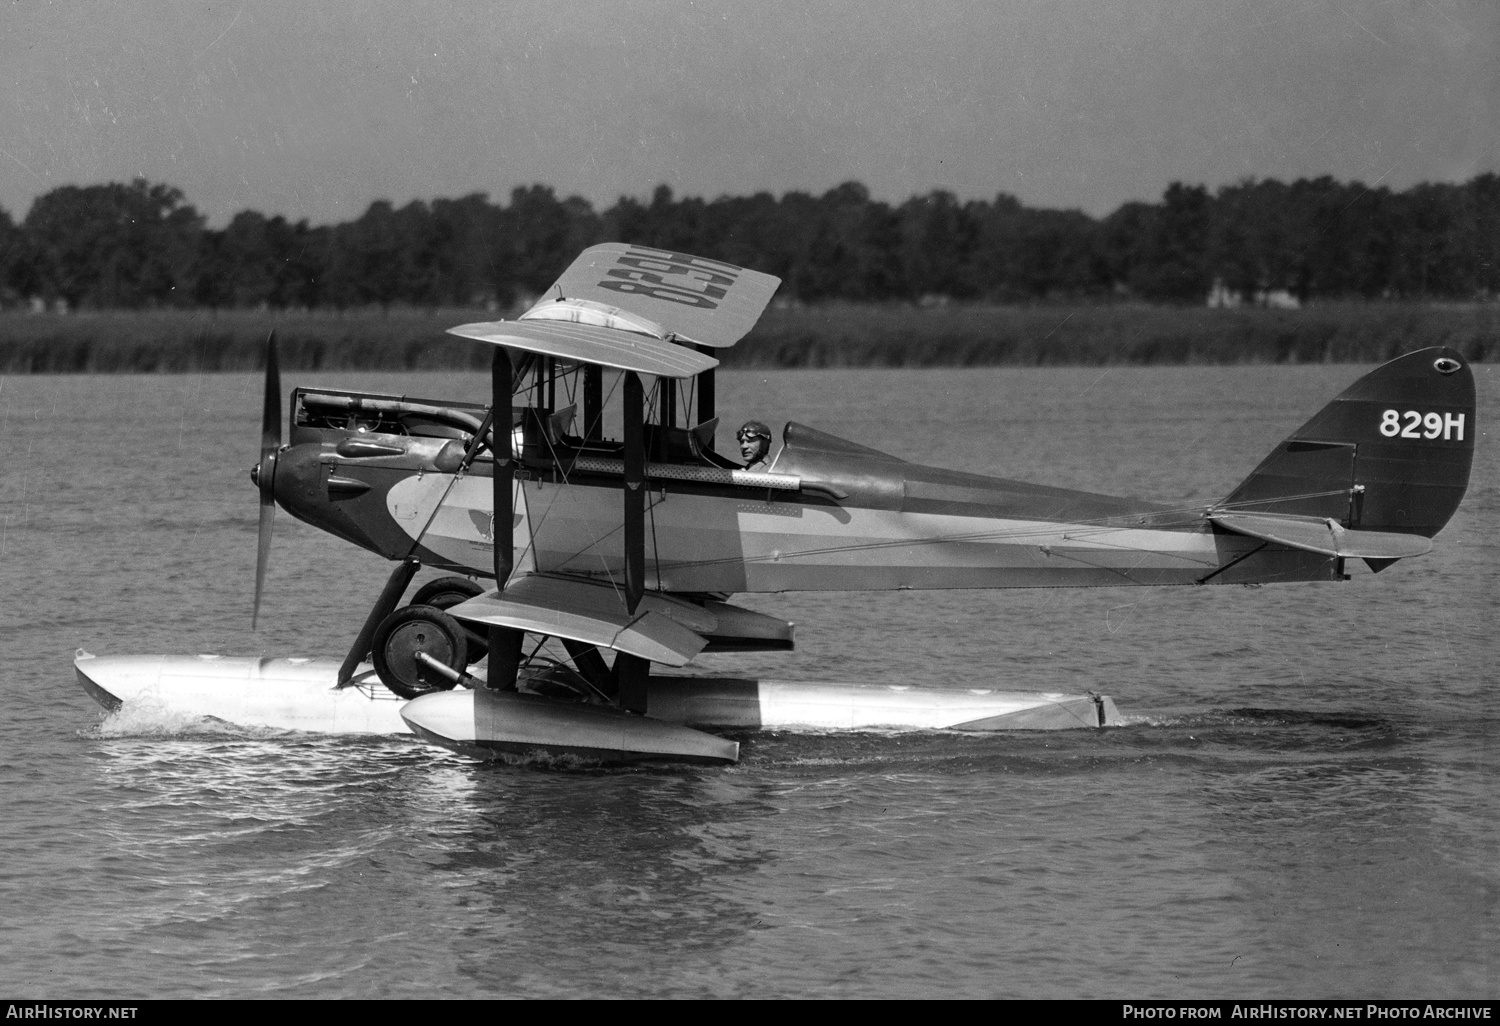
x: 1303, y: 803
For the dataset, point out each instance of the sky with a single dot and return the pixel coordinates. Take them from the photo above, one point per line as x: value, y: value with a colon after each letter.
x: 315, y: 110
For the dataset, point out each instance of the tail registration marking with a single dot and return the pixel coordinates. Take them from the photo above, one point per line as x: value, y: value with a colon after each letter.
x: 1422, y: 425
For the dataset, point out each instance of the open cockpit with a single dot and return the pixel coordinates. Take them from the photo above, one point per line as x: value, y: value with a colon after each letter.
x: 561, y: 414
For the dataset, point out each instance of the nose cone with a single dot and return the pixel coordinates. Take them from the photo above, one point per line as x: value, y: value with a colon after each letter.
x: 263, y: 474
x: 296, y: 479
x: 301, y: 484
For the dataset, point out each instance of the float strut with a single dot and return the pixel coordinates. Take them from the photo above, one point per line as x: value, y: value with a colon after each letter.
x: 394, y: 588
x: 591, y: 664
x: 445, y: 670
x: 505, y: 658
x: 631, y: 674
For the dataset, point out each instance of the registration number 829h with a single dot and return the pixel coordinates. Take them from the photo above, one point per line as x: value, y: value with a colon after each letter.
x: 1411, y: 424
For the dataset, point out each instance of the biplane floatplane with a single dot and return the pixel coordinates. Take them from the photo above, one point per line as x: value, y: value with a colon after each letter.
x: 617, y: 554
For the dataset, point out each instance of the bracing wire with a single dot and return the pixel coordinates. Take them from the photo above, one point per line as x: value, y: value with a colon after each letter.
x: 1094, y: 530
x: 564, y: 471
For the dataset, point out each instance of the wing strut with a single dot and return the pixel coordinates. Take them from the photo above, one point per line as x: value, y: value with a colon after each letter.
x: 593, y: 402
x: 504, y: 643
x: 631, y: 671
x: 705, y: 392
x: 635, y: 492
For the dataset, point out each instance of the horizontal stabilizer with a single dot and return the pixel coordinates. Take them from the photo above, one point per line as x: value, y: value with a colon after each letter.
x: 663, y: 630
x: 1327, y: 537
x: 591, y: 343
x: 701, y: 301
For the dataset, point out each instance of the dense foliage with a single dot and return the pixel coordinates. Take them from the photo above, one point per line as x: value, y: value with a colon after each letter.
x: 143, y: 246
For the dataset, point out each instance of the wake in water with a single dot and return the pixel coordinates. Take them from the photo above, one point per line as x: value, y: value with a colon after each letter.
x: 1252, y: 717
x: 148, y: 716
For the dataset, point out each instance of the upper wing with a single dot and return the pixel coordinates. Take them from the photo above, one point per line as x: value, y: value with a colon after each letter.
x: 591, y: 343
x: 628, y: 307
x: 701, y: 301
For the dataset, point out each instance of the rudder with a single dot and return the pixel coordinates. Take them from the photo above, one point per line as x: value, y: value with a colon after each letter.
x: 1391, y: 453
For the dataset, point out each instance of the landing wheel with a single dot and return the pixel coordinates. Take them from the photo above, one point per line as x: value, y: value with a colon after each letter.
x: 413, y: 629
x: 447, y: 592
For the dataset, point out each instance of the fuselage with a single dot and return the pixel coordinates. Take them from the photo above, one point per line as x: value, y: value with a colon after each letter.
x: 830, y: 515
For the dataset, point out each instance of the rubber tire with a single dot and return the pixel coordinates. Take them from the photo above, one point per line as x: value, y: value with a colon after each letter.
x: 418, y: 628
x: 447, y: 592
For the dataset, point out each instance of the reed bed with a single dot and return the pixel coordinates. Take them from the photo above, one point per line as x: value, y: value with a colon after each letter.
x: 960, y: 336
x: 829, y: 335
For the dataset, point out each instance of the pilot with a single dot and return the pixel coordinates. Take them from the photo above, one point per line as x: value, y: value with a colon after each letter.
x: 755, y: 445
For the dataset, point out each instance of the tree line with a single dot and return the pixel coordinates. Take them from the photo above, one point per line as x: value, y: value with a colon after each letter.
x: 142, y: 245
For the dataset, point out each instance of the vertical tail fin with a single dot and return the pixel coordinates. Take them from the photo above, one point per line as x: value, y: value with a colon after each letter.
x: 1391, y: 453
